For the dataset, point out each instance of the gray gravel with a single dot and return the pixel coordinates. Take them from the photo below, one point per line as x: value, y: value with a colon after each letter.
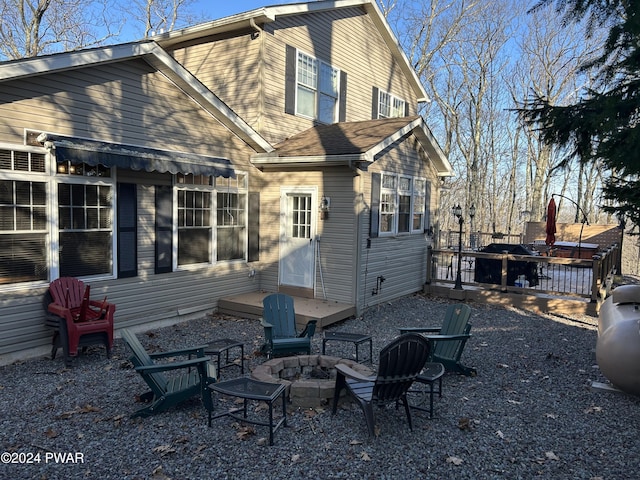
x: 530, y: 413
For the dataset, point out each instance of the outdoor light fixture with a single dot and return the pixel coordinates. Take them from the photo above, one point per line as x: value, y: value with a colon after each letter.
x: 472, y: 236
x: 457, y: 211
x: 325, y: 206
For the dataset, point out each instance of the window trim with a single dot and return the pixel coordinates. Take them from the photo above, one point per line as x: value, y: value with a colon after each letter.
x: 401, y: 109
x: 396, y: 192
x: 214, y: 187
x: 318, y: 94
x: 52, y: 179
x: 415, y: 194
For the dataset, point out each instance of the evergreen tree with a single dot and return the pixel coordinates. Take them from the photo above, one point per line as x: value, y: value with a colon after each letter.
x: 603, y: 124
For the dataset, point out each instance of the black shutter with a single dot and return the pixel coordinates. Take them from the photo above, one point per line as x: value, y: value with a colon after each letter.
x: 253, y: 228
x: 374, y: 103
x: 164, y: 229
x: 127, y: 231
x: 342, y: 112
x: 290, y: 81
x: 374, y: 219
x: 406, y: 108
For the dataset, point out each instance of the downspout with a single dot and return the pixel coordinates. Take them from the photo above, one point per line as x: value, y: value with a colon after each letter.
x: 358, y: 244
x: 256, y: 28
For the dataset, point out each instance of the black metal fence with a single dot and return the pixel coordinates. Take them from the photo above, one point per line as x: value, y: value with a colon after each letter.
x: 534, y: 273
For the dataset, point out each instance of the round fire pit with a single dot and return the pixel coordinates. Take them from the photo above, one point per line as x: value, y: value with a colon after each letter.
x: 310, y: 379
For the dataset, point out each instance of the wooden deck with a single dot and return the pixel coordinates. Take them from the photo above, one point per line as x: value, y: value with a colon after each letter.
x: 249, y: 305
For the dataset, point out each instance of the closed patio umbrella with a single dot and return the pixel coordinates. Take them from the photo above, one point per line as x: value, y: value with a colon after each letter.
x: 551, y: 223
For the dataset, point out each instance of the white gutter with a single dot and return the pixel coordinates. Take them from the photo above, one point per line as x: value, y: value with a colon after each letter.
x: 269, y: 161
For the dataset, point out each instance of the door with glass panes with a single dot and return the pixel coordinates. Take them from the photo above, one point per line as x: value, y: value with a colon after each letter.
x: 297, y: 236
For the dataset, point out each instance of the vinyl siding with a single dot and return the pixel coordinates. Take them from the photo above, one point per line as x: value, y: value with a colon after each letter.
x: 249, y: 74
x: 338, y: 234
x: 347, y: 39
x: 400, y: 259
x: 122, y: 103
x: 232, y: 69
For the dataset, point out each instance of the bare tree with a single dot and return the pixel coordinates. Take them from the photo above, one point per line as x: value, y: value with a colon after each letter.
x: 159, y: 16
x: 35, y: 27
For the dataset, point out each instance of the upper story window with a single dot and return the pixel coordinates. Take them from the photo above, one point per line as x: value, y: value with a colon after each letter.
x: 390, y: 106
x: 314, y: 89
x: 317, y: 89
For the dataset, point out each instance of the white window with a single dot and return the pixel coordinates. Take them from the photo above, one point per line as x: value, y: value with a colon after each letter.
x: 54, y: 221
x: 402, y: 204
x: 419, y: 204
x: 212, y: 217
x: 231, y: 217
x: 390, y: 106
x: 23, y: 217
x: 85, y: 213
x: 388, y: 210
x: 317, y: 89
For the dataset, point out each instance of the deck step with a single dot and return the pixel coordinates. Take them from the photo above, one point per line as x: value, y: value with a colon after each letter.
x: 249, y: 305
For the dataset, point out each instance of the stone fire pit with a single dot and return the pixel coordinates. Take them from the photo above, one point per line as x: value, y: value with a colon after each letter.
x: 310, y: 379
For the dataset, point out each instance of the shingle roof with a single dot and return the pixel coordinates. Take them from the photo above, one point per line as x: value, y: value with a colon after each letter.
x: 344, y: 138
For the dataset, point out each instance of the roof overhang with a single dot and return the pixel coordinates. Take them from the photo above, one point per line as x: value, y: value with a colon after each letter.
x: 251, y: 19
x: 155, y: 56
x: 361, y: 160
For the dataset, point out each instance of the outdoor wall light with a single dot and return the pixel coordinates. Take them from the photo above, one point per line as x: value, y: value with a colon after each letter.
x: 325, y: 205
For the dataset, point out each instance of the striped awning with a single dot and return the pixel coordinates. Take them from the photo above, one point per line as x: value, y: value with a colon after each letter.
x: 91, y: 152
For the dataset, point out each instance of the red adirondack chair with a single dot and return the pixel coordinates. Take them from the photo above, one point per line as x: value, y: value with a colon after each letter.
x: 81, y: 321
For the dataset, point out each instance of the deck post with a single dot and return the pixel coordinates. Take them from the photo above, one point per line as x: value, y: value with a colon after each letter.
x: 503, y: 276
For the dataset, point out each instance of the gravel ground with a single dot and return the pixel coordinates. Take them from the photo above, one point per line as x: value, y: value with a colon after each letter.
x: 529, y: 413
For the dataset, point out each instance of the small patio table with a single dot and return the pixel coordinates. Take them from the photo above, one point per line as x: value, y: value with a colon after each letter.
x: 250, y: 389
x: 222, y: 346
x: 356, y: 338
x: 430, y: 374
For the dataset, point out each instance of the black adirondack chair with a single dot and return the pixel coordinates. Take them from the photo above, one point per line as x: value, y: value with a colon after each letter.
x: 169, y: 390
x: 400, y: 363
x: 448, y: 340
x: 279, y: 322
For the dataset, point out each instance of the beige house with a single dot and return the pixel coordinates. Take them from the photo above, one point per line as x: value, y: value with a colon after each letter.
x: 274, y: 150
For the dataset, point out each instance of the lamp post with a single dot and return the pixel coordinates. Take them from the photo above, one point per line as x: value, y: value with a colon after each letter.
x: 457, y: 211
x: 472, y: 236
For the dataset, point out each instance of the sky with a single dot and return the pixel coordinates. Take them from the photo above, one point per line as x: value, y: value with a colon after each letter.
x: 223, y: 8
x: 209, y: 10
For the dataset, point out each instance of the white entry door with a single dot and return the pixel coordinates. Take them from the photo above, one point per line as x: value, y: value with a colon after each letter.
x: 297, y: 236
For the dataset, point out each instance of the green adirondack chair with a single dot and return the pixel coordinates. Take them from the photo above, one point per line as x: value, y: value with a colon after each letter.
x: 279, y: 322
x: 448, y: 341
x: 169, y: 390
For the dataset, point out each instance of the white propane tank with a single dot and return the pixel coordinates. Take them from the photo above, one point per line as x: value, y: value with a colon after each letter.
x: 618, y: 344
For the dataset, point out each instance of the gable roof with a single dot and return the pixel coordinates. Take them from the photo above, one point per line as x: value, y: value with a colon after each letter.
x: 353, y: 143
x: 155, y: 56
x: 254, y: 18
